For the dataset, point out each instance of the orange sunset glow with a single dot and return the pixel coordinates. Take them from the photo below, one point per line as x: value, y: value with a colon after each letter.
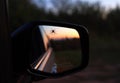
x: 60, y: 32
x: 57, y: 33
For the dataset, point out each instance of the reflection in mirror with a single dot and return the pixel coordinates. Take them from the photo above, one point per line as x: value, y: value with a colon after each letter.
x: 63, y: 51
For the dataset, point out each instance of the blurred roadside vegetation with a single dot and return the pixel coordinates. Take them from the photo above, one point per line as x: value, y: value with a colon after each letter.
x: 103, y: 26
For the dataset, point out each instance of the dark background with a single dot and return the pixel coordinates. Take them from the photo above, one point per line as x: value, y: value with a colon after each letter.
x: 104, y: 32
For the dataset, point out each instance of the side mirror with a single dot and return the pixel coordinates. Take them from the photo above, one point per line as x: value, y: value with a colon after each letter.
x: 50, y: 49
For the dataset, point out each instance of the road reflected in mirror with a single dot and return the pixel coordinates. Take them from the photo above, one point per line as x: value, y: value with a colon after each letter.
x: 63, y: 50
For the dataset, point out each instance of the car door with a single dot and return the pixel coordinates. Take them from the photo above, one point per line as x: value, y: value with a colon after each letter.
x: 5, y: 45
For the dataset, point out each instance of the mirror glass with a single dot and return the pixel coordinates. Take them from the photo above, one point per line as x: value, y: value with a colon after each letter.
x: 62, y: 49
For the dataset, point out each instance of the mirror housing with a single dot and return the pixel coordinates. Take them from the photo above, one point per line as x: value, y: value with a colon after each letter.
x: 24, y: 47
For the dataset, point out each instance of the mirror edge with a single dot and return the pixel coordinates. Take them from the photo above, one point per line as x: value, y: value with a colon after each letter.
x: 83, y: 32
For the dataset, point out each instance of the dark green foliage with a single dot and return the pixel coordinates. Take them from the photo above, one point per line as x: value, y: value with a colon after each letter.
x: 66, y: 60
x: 21, y: 11
x: 84, y: 13
x: 113, y: 20
x: 65, y: 44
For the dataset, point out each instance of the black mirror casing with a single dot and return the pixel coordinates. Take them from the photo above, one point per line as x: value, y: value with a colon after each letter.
x: 24, y: 47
